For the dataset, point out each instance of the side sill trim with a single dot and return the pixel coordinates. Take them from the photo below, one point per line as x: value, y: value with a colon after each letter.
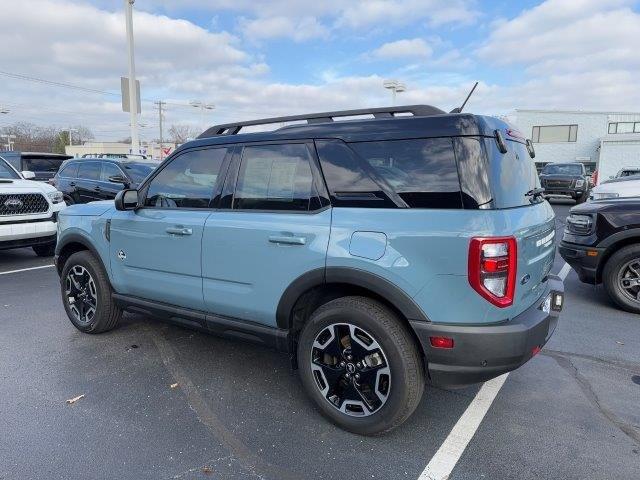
x: 226, y: 327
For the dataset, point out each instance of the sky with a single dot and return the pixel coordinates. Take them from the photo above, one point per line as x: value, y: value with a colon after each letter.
x: 254, y: 59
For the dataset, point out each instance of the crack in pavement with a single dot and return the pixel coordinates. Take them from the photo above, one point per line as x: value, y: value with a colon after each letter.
x: 633, y: 367
x: 197, y: 403
x: 565, y: 363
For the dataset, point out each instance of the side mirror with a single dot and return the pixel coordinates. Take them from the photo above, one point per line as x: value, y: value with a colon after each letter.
x: 127, y: 200
x: 119, y: 179
x: 27, y: 175
x: 530, y: 149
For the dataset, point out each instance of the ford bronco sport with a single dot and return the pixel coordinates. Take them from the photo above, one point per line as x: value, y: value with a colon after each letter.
x: 411, y: 245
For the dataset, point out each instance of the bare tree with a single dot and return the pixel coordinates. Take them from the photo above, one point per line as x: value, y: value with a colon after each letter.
x: 182, y: 133
x: 30, y: 137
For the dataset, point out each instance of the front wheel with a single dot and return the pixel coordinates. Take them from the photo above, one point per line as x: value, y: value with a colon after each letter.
x: 621, y: 278
x: 360, y: 365
x: 86, y: 294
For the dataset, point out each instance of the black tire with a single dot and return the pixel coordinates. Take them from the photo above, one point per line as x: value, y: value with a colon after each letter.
x: 106, y: 314
x: 406, y: 378
x: 614, y: 269
x: 48, y: 250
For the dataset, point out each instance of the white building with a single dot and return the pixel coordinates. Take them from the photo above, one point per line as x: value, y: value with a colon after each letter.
x: 607, y: 141
x: 91, y: 148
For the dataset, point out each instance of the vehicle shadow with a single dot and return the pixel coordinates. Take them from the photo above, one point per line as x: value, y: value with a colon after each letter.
x: 253, y: 402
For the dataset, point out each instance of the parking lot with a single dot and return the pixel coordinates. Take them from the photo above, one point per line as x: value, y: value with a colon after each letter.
x: 165, y: 402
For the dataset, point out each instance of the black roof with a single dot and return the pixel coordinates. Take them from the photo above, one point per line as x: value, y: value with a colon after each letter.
x: 423, y: 121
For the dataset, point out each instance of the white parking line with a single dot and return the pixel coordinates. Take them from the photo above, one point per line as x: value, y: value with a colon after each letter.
x: 564, y: 271
x: 26, y: 269
x: 447, y: 456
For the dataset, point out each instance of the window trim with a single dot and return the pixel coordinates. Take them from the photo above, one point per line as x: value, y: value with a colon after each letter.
x: 234, y: 172
x: 217, y: 188
x: 536, y: 139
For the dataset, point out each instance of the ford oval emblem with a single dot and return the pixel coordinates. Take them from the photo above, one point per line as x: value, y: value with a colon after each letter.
x: 525, y: 279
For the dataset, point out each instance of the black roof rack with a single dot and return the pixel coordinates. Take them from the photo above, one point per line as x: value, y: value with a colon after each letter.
x: 324, y: 117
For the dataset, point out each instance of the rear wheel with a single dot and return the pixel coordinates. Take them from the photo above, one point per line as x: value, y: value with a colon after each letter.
x: 86, y: 294
x: 47, y: 250
x: 621, y: 278
x: 360, y: 365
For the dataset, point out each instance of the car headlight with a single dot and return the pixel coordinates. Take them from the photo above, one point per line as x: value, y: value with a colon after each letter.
x: 55, y: 197
x: 604, y: 195
x: 579, y: 183
x: 579, y: 224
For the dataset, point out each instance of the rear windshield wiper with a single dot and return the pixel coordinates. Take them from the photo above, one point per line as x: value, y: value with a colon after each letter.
x: 535, y: 193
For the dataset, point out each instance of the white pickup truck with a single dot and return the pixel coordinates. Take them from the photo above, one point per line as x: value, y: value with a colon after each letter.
x: 28, y: 212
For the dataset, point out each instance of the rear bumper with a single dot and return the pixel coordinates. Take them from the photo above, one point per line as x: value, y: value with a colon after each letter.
x: 484, y: 352
x: 586, y: 266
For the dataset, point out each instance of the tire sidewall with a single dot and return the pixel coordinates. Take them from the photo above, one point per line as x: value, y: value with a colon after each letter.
x: 86, y: 260
x: 610, y: 274
x: 385, y: 417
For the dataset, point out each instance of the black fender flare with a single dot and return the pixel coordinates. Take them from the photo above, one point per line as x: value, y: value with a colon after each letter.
x: 80, y: 239
x: 618, y: 236
x: 346, y: 275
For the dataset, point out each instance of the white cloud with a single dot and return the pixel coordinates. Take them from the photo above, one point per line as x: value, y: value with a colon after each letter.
x: 415, y: 47
x: 298, y: 29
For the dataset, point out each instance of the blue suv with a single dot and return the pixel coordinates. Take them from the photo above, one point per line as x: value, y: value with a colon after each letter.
x: 382, y: 252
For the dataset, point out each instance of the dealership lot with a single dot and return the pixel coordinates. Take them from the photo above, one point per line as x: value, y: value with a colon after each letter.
x: 238, y: 411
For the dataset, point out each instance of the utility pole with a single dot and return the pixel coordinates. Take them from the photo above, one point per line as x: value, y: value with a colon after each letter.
x: 160, y: 105
x: 9, y: 143
x: 133, y: 101
x: 202, y: 106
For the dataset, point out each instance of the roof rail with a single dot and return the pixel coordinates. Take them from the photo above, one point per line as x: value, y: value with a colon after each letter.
x: 324, y: 117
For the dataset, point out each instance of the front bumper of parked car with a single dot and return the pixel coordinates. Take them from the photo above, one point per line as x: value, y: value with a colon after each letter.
x: 480, y: 352
x: 583, y: 259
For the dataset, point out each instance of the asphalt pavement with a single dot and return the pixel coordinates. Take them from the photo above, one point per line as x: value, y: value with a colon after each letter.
x: 162, y: 402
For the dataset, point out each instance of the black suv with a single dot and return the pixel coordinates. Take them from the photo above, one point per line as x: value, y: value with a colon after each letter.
x: 83, y: 180
x: 565, y: 180
x: 602, y: 243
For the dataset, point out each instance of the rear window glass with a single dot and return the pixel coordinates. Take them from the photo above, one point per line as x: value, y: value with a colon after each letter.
x: 422, y: 172
x: 512, y: 174
x: 42, y: 164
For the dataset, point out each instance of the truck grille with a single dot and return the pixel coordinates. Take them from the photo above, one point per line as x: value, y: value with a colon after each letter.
x: 558, y: 183
x: 22, y: 204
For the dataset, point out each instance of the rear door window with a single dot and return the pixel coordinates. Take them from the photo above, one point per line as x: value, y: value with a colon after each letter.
x: 89, y: 171
x: 423, y: 172
x: 110, y: 170
x: 69, y: 171
x: 275, y: 177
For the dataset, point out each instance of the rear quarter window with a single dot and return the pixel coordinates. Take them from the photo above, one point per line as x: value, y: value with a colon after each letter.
x: 423, y: 172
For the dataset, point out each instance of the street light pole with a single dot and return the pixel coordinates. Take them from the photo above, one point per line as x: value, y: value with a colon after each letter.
x: 202, y: 106
x: 160, y: 104
x: 396, y: 87
x: 133, y: 93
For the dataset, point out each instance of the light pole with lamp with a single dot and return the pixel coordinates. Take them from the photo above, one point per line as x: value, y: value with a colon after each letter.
x: 202, y: 106
x: 396, y: 87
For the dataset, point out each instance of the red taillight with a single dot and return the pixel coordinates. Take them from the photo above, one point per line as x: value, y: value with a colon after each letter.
x: 492, y: 269
x: 441, y: 342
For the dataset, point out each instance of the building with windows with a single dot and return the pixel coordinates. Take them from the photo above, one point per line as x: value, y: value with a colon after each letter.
x: 607, y: 141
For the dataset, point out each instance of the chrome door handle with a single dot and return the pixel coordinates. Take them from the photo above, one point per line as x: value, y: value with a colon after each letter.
x: 287, y: 240
x: 179, y: 231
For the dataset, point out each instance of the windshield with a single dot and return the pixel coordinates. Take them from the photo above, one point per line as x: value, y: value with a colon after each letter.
x: 138, y: 171
x: 566, y: 169
x: 6, y: 172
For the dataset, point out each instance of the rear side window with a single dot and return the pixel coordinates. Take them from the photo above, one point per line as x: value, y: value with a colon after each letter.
x: 109, y: 170
x: 89, y: 171
x: 275, y: 177
x: 512, y: 174
x: 422, y: 172
x: 69, y: 171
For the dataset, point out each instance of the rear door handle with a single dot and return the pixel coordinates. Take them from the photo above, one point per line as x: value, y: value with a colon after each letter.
x: 97, y: 189
x: 72, y: 184
x: 179, y: 231
x: 287, y: 240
